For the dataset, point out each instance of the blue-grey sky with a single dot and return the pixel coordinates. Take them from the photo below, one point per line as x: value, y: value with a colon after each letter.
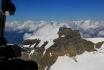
x: 58, y: 10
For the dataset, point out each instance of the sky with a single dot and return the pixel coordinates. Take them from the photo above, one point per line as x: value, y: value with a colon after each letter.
x: 58, y: 10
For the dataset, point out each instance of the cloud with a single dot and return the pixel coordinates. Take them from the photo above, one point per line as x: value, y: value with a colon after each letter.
x: 27, y: 26
x: 43, y: 31
x: 87, y: 28
x: 12, y: 26
x: 101, y: 33
x: 27, y: 35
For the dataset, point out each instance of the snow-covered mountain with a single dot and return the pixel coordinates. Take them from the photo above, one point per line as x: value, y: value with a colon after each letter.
x: 64, y: 49
x: 85, y: 61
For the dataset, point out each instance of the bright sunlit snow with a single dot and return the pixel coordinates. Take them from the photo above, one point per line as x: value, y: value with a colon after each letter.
x: 85, y: 61
x: 49, y: 37
x: 25, y: 45
x: 95, y: 40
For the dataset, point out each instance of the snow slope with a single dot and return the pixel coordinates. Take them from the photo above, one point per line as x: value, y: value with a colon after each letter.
x: 85, y: 61
x: 49, y: 37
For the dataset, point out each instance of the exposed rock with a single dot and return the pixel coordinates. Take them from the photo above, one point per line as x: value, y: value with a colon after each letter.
x: 98, y: 45
x: 68, y: 43
x: 30, y: 42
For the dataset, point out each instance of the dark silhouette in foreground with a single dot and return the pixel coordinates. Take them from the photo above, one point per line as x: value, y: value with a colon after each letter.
x: 17, y: 64
x: 9, y: 53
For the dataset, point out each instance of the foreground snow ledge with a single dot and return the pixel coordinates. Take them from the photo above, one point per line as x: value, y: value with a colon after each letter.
x: 86, y: 61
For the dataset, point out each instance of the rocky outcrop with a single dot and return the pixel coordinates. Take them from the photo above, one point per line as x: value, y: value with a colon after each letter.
x: 68, y: 43
x: 98, y: 45
x: 30, y: 42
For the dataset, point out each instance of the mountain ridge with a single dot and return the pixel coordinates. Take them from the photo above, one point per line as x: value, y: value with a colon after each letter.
x: 68, y: 42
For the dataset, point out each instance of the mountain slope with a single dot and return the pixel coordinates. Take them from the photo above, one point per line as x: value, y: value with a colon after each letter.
x: 49, y: 50
x: 85, y: 61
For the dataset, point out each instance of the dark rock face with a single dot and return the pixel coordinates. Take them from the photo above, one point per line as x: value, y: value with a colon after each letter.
x: 68, y: 43
x: 98, y: 45
x: 30, y: 42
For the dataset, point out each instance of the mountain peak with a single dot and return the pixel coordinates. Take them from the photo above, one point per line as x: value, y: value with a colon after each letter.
x: 68, y: 42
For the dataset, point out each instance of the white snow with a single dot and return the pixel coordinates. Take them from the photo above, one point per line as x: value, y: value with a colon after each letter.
x: 32, y: 45
x: 25, y: 45
x: 50, y: 54
x: 44, y: 52
x: 63, y: 36
x: 85, y: 61
x: 29, y: 45
x: 50, y: 37
x: 95, y: 40
x: 32, y: 51
x: 45, y: 67
x: 34, y: 37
